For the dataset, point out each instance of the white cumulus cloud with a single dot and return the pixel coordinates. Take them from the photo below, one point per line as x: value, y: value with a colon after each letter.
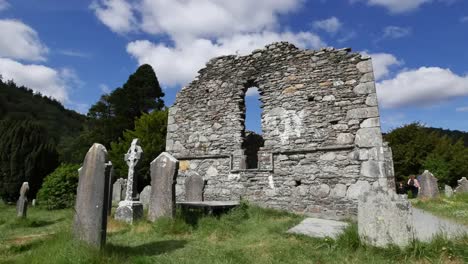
x: 382, y: 64
x: 423, y: 86
x: 118, y: 15
x: 396, y: 6
x: 394, y: 32
x: 330, y: 25
x: 39, y: 78
x: 19, y: 41
x: 179, y: 65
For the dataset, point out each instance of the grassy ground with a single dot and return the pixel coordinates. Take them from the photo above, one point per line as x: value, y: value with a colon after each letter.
x: 455, y: 207
x: 246, y: 235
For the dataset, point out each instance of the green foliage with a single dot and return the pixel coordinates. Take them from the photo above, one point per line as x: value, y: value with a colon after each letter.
x: 117, y: 111
x: 417, y: 148
x: 151, y: 130
x: 59, y: 188
x: 26, y: 154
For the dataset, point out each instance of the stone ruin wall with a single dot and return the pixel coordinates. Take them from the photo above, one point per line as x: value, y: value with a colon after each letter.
x: 320, y: 120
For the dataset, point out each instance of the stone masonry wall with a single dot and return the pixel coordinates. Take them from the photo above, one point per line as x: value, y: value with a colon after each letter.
x: 323, y: 144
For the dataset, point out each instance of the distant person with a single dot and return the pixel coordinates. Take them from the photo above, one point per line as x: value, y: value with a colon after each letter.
x: 413, y: 185
x: 401, y: 188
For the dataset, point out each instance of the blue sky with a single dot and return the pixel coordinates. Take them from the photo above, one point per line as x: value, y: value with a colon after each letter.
x: 76, y: 50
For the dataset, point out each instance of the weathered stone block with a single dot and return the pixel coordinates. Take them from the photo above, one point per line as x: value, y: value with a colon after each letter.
x: 365, y: 66
x: 357, y: 189
x: 429, y: 187
x: 194, y: 186
x: 163, y: 179
x: 373, y: 168
x: 344, y: 139
x: 364, y: 88
x: 90, y: 219
x: 360, y: 113
x: 371, y: 122
x: 385, y: 218
x: 462, y: 186
x: 368, y: 137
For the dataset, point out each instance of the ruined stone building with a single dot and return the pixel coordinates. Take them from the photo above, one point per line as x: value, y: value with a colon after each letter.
x: 322, y: 142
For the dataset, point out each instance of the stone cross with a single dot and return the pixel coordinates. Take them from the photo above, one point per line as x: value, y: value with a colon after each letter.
x: 131, y: 208
x: 132, y: 157
x: 90, y: 221
x: 163, y: 179
x: 22, y: 204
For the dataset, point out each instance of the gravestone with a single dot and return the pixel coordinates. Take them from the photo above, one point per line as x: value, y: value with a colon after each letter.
x: 448, y: 191
x: 109, y: 172
x: 385, y: 218
x: 33, y: 202
x: 194, y: 186
x: 462, y: 185
x: 145, y: 196
x: 22, y: 204
x: 428, y: 186
x: 131, y: 208
x: 118, y: 190
x: 163, y: 179
x: 90, y: 221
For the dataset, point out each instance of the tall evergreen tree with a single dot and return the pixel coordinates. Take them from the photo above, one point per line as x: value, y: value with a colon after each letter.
x: 26, y: 154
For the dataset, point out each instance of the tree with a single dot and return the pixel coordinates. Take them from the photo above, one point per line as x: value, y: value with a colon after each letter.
x: 151, y: 130
x: 59, y: 188
x: 27, y: 153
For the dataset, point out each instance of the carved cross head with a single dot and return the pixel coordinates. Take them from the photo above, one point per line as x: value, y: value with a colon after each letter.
x: 134, y: 153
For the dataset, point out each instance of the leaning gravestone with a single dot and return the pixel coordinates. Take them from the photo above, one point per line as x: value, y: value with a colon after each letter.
x: 163, y: 178
x: 462, y: 185
x: 428, y: 186
x: 90, y: 220
x: 119, y: 188
x: 194, y: 186
x: 385, y: 218
x: 22, y: 204
x: 448, y: 191
x: 145, y: 196
x: 131, y: 208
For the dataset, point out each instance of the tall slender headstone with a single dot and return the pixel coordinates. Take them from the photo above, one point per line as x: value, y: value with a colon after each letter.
x: 428, y: 186
x: 109, y: 172
x: 131, y: 208
x: 462, y: 186
x: 22, y: 204
x: 194, y: 186
x: 163, y: 179
x: 145, y: 196
x: 90, y: 220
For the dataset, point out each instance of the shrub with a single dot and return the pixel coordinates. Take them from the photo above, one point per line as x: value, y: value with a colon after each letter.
x: 59, y: 188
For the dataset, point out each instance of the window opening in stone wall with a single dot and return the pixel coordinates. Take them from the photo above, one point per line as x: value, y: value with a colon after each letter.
x: 253, y: 139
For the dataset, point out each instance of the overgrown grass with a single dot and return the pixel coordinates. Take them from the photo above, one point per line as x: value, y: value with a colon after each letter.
x: 247, y: 234
x: 455, y: 207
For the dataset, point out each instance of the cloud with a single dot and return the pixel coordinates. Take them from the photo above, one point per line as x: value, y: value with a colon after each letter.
x: 179, y: 65
x: 4, y: 5
x: 118, y: 15
x: 19, y: 41
x: 330, y: 25
x: 74, y: 53
x: 462, y: 109
x: 396, y: 6
x: 104, y: 88
x: 39, y: 78
x: 464, y: 19
x: 252, y: 91
x: 382, y: 63
x: 394, y: 32
x: 423, y: 86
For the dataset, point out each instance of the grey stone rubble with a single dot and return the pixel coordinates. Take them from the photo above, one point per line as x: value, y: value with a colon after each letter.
x: 462, y: 186
x: 385, y: 218
x: 90, y: 221
x: 194, y: 186
x: 119, y: 188
x: 448, y: 191
x: 322, y: 228
x: 131, y: 208
x: 163, y: 178
x: 428, y: 186
x: 321, y: 130
x: 22, y: 203
x: 145, y: 196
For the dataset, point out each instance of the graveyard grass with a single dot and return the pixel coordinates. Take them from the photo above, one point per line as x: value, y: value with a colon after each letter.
x: 247, y: 234
x: 454, y: 208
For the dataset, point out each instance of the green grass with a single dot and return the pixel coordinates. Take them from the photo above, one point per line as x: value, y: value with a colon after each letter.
x: 455, y: 207
x: 245, y: 235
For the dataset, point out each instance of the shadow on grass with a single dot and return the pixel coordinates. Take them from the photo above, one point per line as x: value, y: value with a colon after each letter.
x: 33, y: 222
x: 148, y: 249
